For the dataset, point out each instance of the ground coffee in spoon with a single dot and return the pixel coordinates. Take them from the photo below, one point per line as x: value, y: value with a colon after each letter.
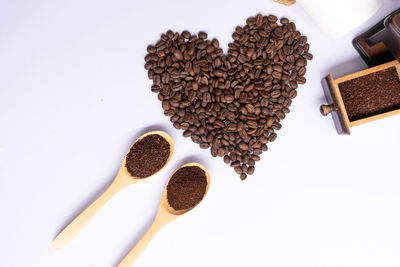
x: 147, y: 156
x: 186, y: 187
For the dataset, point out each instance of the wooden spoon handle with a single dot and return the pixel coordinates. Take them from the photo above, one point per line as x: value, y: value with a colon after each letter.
x: 135, y: 252
x: 163, y: 217
x: 74, y: 227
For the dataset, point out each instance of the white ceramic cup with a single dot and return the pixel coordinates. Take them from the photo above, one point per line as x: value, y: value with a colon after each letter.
x: 339, y: 17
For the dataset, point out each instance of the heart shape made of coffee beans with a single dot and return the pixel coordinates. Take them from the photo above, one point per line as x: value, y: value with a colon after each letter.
x: 231, y: 103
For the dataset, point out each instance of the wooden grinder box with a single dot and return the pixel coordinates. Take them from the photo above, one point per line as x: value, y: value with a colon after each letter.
x: 363, y: 96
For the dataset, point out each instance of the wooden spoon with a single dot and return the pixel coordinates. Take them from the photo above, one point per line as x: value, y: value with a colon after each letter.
x: 122, y: 180
x: 165, y: 215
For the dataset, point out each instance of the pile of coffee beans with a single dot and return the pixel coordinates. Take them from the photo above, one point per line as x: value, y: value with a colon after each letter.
x: 231, y: 103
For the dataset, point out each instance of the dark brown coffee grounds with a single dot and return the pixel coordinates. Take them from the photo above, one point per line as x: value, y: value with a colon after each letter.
x: 186, y: 187
x: 372, y: 94
x: 147, y: 156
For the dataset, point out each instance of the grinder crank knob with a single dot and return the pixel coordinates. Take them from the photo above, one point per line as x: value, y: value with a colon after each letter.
x: 326, y: 109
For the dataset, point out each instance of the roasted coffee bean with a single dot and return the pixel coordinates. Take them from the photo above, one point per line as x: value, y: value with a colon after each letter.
x: 249, y: 87
x: 302, y: 71
x: 227, y: 159
x: 301, y: 80
x: 244, y: 146
x: 204, y: 145
x: 301, y: 62
x: 178, y: 54
x: 292, y: 94
x: 244, y: 168
x: 251, y: 170
x: 232, y: 103
x: 235, y: 163
x: 155, y: 88
x: 272, y: 137
x: 272, y: 18
x: 275, y: 94
x: 151, y: 49
x: 166, y: 105
x: 308, y: 55
x: 278, y: 68
x: 202, y: 35
x: 287, y: 103
x: 186, y: 34
x: 276, y: 125
x: 284, y: 21
x: 270, y: 121
x: 238, y: 170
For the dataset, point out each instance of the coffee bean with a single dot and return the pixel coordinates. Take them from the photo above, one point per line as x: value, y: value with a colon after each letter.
x: 280, y: 115
x: 284, y: 21
x: 250, y: 52
x: 232, y: 103
x: 277, y: 68
x: 276, y: 125
x: 251, y: 170
x: 301, y: 62
x: 166, y: 105
x: 243, y: 146
x: 235, y: 163
x: 151, y: 49
x: 277, y: 75
x: 275, y: 94
x: 292, y: 94
x: 202, y: 35
x: 186, y: 34
x: 204, y: 145
x: 227, y: 159
x: 259, y: 19
x: 249, y: 87
x: 242, y: 58
x: 302, y: 71
x: 221, y: 152
x: 301, y: 80
x: 272, y: 18
x: 244, y: 168
x: 178, y: 54
x: 278, y: 32
x: 155, y: 88
x: 238, y: 170
x: 272, y: 137
x: 292, y: 27
x: 287, y: 103
x: 308, y: 55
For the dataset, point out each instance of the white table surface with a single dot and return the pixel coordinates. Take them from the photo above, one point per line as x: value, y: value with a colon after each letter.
x: 74, y: 95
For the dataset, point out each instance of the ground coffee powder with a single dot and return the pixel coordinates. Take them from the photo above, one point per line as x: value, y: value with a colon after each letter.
x: 186, y: 187
x: 147, y: 156
x: 371, y: 94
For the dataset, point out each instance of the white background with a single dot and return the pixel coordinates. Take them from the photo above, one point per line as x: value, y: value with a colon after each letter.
x: 74, y: 95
